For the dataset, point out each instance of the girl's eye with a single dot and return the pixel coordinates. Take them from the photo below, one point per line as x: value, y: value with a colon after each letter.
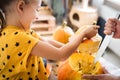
x: 37, y: 10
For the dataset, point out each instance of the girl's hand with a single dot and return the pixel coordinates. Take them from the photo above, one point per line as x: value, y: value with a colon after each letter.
x: 88, y: 32
x: 112, y: 25
x: 91, y: 31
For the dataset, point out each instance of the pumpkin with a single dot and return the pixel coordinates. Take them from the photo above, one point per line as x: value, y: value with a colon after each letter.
x: 66, y: 73
x: 77, y: 65
x: 89, y: 45
x: 62, y: 33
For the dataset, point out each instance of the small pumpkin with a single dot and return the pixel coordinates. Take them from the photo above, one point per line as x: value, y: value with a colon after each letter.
x: 62, y: 33
x: 89, y: 45
x: 77, y: 65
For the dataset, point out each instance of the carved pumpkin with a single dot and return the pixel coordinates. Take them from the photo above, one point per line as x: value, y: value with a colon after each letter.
x: 62, y: 33
x: 89, y: 45
x: 66, y: 73
x: 77, y: 65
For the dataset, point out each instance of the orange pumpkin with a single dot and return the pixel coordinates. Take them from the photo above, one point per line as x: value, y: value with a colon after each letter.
x: 62, y: 33
x: 66, y: 73
x: 77, y: 65
x: 89, y: 45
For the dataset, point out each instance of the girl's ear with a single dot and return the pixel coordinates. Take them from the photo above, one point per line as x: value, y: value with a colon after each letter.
x: 20, y: 6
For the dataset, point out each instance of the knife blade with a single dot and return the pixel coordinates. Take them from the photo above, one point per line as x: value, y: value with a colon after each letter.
x: 104, y: 45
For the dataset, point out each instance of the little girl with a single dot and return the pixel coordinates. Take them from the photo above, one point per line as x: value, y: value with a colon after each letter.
x: 21, y: 49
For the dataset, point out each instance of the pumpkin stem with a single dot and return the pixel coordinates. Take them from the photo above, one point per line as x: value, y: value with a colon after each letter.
x: 64, y: 24
x: 94, y: 22
x: 78, y: 51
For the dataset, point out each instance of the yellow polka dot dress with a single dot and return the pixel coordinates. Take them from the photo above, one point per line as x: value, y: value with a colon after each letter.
x: 16, y: 63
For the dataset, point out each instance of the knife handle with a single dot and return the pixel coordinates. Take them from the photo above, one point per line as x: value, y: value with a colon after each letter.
x: 118, y: 16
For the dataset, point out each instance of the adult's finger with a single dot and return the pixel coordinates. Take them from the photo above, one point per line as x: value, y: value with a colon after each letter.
x: 91, y: 77
x: 111, y: 20
x: 108, y: 29
x: 105, y: 70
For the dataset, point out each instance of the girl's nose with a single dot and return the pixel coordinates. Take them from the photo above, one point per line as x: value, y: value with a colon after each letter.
x: 36, y: 18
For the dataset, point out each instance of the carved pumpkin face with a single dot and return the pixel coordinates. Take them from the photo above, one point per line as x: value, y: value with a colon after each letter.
x: 77, y: 65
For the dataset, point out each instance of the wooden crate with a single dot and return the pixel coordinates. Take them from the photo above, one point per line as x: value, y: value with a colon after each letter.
x: 44, y: 25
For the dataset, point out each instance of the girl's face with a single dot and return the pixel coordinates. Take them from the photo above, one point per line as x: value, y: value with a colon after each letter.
x: 29, y: 13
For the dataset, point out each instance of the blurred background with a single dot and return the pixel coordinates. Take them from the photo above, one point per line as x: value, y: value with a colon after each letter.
x: 77, y: 13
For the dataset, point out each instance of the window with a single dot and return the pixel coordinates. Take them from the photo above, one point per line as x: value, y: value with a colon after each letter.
x: 113, y: 3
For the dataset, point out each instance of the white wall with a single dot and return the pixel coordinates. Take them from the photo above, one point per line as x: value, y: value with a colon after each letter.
x: 104, y: 11
x: 97, y: 3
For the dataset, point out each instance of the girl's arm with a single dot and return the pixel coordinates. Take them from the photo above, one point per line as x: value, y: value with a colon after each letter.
x: 51, y: 52
x: 52, y: 42
x: 55, y: 43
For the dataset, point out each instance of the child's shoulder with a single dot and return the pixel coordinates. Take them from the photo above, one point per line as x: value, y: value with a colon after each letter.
x: 15, y: 33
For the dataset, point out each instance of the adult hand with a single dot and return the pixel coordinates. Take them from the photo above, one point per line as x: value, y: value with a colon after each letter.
x: 101, y: 77
x: 105, y: 76
x: 112, y: 25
